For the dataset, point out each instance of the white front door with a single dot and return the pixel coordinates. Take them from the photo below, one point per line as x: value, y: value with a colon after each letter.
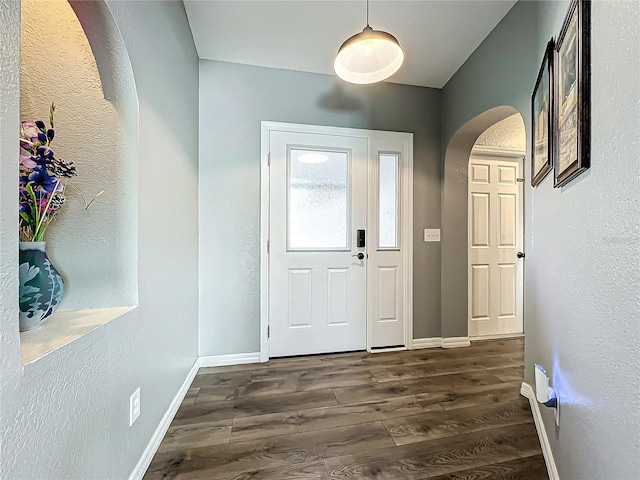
x: 495, y: 238
x: 318, y: 202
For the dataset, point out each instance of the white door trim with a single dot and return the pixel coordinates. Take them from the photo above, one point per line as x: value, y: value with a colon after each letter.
x: 406, y: 224
x: 407, y: 231
x: 486, y: 151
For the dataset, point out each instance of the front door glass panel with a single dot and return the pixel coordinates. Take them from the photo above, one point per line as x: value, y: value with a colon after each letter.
x: 318, y: 200
x: 388, y: 200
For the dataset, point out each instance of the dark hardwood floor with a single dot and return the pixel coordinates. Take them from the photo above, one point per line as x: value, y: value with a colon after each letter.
x: 432, y: 413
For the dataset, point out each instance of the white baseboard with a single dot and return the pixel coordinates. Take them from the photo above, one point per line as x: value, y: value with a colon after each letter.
x: 455, y: 342
x: 386, y: 350
x: 232, y: 359
x: 497, y: 337
x: 433, y: 342
x: 163, y: 426
x: 437, y: 342
x: 526, y: 390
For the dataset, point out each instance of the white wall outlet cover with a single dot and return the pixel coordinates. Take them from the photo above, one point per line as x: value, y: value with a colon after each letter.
x: 134, y: 406
x: 431, y: 234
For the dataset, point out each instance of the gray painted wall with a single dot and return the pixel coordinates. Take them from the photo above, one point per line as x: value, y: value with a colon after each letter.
x: 234, y: 99
x: 66, y: 416
x: 582, y: 241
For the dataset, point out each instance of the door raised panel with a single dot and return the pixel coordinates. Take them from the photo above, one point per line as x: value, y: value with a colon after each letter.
x: 338, y: 296
x: 300, y: 297
x: 480, y: 291
x: 387, y: 294
x: 480, y: 220
x: 480, y: 173
x: 507, y: 175
x: 507, y: 289
x: 507, y: 219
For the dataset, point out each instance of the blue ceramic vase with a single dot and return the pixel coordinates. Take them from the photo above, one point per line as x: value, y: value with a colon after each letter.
x: 41, y: 286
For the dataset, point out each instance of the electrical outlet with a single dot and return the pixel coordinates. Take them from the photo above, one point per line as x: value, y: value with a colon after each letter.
x: 134, y: 406
x: 431, y: 234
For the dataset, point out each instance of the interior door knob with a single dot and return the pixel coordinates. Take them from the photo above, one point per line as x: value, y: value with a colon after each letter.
x: 520, y: 254
x: 360, y: 256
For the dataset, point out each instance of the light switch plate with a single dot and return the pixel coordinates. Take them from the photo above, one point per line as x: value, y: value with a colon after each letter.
x: 134, y: 406
x: 431, y: 234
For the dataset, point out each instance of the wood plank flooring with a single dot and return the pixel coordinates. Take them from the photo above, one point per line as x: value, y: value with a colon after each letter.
x: 433, y: 413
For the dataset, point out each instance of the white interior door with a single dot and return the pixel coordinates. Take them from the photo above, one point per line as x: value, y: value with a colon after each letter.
x: 495, y: 238
x: 318, y: 200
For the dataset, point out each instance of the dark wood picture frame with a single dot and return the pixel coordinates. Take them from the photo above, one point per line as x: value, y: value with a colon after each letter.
x: 572, y: 105
x: 542, y: 150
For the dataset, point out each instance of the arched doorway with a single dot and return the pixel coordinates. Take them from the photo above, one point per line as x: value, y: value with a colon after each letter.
x: 455, y: 220
x: 496, y: 231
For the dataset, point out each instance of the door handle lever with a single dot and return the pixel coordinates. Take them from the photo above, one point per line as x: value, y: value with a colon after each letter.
x: 359, y: 256
x: 520, y: 255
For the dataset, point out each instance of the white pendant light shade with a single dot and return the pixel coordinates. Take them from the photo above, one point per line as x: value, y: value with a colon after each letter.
x: 368, y: 57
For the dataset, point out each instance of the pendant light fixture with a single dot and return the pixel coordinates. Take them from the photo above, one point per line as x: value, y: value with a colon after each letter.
x: 369, y: 56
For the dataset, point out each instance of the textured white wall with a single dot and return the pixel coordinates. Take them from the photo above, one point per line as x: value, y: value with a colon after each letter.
x: 508, y: 133
x: 66, y: 416
x: 95, y: 250
x: 583, y: 282
x: 9, y: 118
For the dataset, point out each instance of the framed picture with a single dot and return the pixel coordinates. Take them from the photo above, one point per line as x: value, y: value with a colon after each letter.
x: 572, y: 105
x: 541, y: 119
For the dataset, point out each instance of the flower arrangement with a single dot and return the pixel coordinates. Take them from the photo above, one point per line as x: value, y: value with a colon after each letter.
x: 43, y: 179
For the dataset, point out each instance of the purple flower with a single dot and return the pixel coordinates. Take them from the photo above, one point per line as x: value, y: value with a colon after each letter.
x: 44, y: 152
x: 29, y: 131
x: 25, y: 157
x: 41, y: 178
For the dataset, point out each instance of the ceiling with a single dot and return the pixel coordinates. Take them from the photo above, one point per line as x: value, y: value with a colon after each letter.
x: 304, y: 35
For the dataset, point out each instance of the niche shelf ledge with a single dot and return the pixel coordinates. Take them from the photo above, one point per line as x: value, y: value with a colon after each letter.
x: 62, y: 328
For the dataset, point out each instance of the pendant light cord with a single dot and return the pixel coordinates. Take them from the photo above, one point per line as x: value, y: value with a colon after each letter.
x: 367, y: 13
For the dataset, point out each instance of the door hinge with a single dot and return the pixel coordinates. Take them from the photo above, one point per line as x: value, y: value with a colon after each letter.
x: 268, y: 331
x: 520, y: 180
x: 269, y: 159
x: 268, y: 246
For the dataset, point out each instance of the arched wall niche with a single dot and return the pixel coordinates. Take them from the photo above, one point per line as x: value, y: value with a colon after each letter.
x: 455, y: 219
x: 111, y: 56
x: 73, y: 54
